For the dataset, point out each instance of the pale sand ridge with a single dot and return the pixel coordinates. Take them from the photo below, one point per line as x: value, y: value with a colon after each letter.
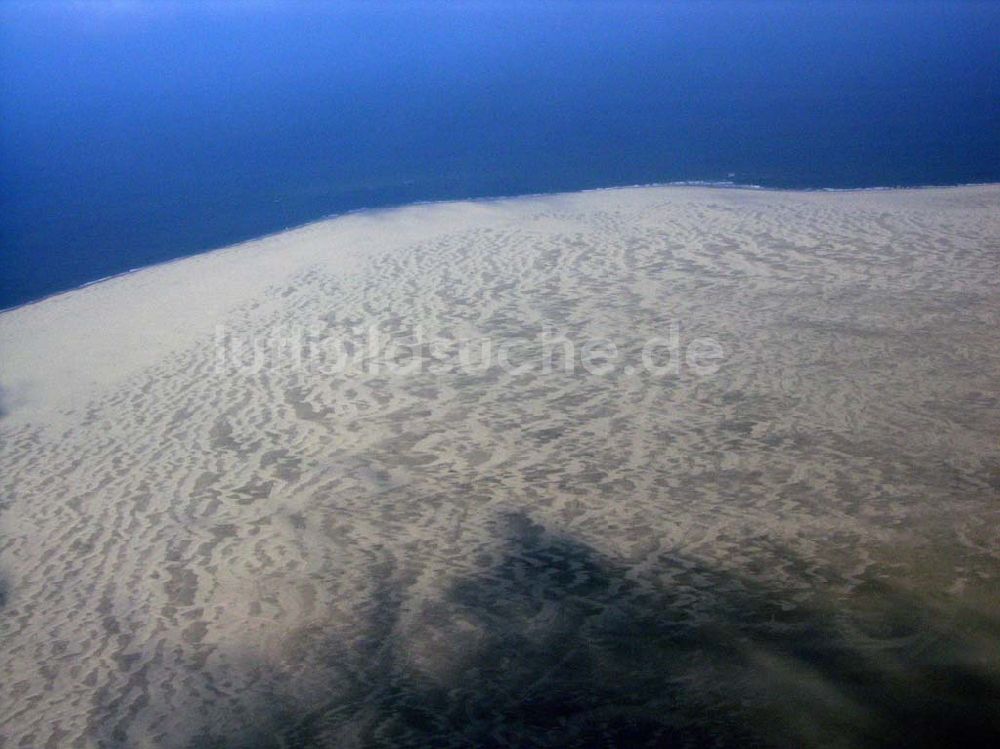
x: 799, y: 549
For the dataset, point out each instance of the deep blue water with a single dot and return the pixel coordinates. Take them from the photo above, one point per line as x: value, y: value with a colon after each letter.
x: 135, y: 133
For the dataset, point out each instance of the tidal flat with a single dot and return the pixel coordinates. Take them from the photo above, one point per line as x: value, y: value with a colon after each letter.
x: 733, y: 481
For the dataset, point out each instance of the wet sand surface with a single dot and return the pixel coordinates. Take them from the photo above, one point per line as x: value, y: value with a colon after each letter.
x: 798, y: 549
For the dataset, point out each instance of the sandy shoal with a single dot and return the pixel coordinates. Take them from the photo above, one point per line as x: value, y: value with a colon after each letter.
x: 794, y: 546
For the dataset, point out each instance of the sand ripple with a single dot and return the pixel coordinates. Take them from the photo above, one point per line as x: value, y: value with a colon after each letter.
x: 799, y: 549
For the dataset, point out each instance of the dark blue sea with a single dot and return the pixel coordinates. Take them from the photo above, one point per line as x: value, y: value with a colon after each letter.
x: 132, y: 133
